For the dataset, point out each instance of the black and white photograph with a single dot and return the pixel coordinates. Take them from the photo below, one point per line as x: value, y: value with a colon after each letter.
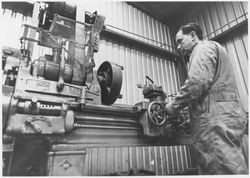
x: 124, y: 88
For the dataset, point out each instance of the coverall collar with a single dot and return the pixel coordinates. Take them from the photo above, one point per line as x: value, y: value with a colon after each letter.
x: 194, y: 48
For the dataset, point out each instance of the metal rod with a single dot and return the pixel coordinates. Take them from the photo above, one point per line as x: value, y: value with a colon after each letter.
x: 108, y: 33
x: 29, y: 39
x: 62, y: 67
x: 141, y: 36
x: 104, y: 127
x: 65, y: 18
x: 78, y: 152
x: 30, y: 26
x: 103, y: 119
x: 80, y: 45
x: 113, y: 110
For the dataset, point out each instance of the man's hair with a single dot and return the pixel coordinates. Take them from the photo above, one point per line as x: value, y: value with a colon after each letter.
x: 187, y: 28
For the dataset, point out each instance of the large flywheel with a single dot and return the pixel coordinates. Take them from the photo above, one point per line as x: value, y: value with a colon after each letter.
x: 109, y: 76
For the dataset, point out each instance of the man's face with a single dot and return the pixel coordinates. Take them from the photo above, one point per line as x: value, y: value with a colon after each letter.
x: 184, y: 42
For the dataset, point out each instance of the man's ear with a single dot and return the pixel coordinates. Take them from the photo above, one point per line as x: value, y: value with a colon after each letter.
x: 193, y: 34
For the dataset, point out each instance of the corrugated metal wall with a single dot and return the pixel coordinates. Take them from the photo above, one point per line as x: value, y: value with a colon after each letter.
x: 237, y: 48
x: 11, y: 23
x: 126, y: 17
x: 12, y: 31
x: 217, y: 17
x: 163, y: 160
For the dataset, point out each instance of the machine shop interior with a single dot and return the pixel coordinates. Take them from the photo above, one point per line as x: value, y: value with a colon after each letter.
x: 85, y: 84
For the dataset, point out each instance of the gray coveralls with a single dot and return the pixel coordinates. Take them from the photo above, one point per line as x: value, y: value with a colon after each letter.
x: 216, y: 116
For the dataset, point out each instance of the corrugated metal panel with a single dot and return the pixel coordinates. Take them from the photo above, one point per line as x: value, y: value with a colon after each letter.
x: 244, y: 5
x: 126, y: 17
x: 163, y: 160
x: 216, y: 17
x: 237, y: 50
x: 222, y: 16
x: 11, y: 27
x: 12, y: 31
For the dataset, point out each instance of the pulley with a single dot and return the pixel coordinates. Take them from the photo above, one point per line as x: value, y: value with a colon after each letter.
x: 156, y: 113
x: 109, y: 76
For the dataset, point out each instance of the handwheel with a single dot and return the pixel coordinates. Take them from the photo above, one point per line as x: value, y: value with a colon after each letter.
x: 156, y: 113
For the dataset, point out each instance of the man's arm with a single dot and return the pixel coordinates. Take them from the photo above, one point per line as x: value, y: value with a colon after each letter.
x: 200, y: 77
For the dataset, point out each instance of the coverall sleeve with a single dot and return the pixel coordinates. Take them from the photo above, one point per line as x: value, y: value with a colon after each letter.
x: 200, y: 76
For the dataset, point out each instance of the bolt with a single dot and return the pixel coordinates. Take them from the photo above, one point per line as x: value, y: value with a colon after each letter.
x: 29, y: 119
x: 60, y: 85
x: 38, y: 129
x: 34, y: 100
x: 66, y: 166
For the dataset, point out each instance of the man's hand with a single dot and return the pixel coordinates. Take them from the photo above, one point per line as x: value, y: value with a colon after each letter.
x: 166, y: 109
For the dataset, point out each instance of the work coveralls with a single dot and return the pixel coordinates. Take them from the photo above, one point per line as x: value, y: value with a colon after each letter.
x: 216, y: 116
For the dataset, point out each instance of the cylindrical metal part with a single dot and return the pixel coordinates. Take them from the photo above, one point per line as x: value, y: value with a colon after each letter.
x: 69, y: 121
x: 6, y: 100
x: 83, y: 96
x: 42, y: 109
x: 56, y: 55
x: 50, y: 70
x: 25, y: 31
x: 61, y: 70
x: 33, y: 103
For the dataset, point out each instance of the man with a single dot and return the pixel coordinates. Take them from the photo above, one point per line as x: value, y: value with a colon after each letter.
x: 216, y: 116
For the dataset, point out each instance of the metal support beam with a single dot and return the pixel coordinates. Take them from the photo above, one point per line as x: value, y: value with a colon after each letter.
x: 110, y: 34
